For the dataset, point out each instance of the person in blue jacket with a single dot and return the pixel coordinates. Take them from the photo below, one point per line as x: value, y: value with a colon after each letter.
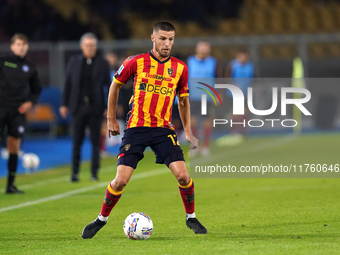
x: 241, y: 72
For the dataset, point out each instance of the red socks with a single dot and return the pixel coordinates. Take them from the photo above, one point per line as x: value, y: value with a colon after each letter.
x: 110, y: 200
x: 186, y: 191
x: 188, y: 196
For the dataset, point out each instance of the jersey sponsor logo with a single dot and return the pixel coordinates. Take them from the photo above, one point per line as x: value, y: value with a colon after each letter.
x: 157, y: 77
x: 9, y: 64
x: 142, y: 86
x: 157, y: 89
x: 25, y: 68
x: 170, y: 71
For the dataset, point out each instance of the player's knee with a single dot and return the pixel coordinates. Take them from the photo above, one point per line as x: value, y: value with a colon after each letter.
x: 183, y: 178
x: 119, y: 183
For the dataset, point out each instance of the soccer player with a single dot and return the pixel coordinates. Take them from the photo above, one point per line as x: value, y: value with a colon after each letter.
x: 19, y: 90
x: 157, y: 78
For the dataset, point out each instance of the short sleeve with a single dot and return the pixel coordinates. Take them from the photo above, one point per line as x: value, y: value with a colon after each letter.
x: 183, y: 88
x: 125, y: 71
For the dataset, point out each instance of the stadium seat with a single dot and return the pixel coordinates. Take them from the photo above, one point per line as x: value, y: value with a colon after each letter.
x: 293, y: 17
x: 281, y: 3
x: 299, y: 4
x: 226, y: 27
x: 316, y: 50
x: 327, y: 20
x: 334, y: 49
x: 287, y: 51
x: 267, y: 52
x: 276, y: 24
x: 260, y: 23
x: 283, y: 17
x: 310, y: 24
x: 42, y: 117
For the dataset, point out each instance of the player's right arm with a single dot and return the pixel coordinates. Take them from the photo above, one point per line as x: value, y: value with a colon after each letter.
x: 112, y: 123
x: 124, y: 73
x: 184, y: 107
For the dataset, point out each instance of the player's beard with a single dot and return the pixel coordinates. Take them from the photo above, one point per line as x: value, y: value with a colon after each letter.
x: 163, y: 54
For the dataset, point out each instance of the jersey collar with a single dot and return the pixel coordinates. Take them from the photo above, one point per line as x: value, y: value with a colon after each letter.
x: 18, y: 58
x: 155, y: 58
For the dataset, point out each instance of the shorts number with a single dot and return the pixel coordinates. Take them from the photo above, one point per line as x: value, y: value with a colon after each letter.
x: 172, y: 137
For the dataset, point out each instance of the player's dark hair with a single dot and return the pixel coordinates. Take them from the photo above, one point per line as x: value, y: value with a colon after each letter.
x: 164, y: 26
x: 20, y: 37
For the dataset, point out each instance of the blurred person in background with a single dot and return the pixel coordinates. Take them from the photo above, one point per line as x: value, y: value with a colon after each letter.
x: 112, y: 59
x: 20, y: 89
x: 241, y: 72
x: 87, y: 76
x: 202, y: 65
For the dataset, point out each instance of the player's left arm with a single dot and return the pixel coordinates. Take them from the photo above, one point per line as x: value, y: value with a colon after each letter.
x: 184, y: 107
x: 184, y: 113
x: 36, y: 88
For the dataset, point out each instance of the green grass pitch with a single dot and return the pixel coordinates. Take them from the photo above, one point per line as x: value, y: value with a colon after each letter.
x: 243, y: 216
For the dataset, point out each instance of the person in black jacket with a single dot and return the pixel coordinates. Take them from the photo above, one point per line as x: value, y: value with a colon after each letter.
x: 19, y: 90
x: 87, y: 76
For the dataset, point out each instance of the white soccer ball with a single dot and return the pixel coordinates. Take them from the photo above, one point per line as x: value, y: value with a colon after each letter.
x: 30, y: 161
x: 138, y: 225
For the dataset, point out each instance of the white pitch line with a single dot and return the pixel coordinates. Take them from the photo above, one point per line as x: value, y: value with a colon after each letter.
x: 258, y: 147
x: 82, y: 190
x: 44, y: 183
x: 61, y: 179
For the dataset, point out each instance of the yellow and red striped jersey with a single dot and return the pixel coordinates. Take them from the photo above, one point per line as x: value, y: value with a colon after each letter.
x: 155, y: 84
